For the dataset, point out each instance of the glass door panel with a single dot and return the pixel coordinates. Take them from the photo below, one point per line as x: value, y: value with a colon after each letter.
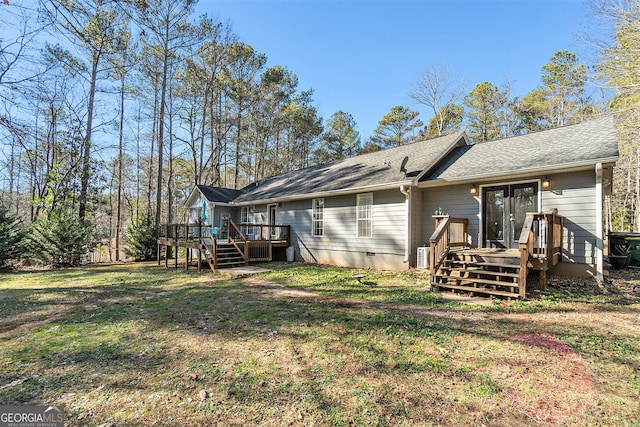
x: 523, y: 199
x: 504, y: 211
x: 494, y: 216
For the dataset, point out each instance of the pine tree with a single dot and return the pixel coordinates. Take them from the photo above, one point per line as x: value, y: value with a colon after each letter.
x: 398, y: 127
x: 142, y: 239
x: 60, y: 240
x: 11, y: 237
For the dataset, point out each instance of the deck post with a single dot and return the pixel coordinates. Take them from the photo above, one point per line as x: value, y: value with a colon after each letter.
x: 166, y: 258
x: 187, y: 256
x: 199, y: 260
x: 522, y: 281
x: 176, y: 255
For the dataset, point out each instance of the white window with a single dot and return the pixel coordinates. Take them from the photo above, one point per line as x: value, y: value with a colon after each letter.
x: 247, y: 216
x: 364, y: 215
x: 318, y: 217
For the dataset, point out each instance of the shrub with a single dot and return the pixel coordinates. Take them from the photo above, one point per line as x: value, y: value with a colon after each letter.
x: 142, y: 239
x: 60, y: 240
x: 11, y: 237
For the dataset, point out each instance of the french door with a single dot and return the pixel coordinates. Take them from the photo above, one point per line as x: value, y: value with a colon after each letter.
x: 504, y: 208
x: 273, y: 209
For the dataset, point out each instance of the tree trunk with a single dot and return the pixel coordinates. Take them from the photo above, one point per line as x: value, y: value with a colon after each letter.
x: 120, y: 166
x: 86, y: 144
x: 163, y: 93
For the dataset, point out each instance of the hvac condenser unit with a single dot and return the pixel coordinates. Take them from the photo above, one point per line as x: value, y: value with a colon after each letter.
x: 423, y: 258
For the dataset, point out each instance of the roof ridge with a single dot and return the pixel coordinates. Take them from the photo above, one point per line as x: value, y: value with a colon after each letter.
x: 453, y: 135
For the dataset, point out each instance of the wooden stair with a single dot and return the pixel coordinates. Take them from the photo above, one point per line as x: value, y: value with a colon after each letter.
x: 228, y: 255
x: 486, y: 272
x: 208, y: 256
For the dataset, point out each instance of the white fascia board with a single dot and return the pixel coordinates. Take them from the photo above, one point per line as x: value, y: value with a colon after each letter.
x: 568, y: 167
x: 187, y: 203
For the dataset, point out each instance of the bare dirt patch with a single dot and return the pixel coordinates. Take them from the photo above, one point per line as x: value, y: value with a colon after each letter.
x: 564, y: 388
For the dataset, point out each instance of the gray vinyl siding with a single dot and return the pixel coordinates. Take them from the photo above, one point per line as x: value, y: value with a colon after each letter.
x: 339, y: 245
x: 574, y: 195
x: 454, y: 200
x: 417, y: 224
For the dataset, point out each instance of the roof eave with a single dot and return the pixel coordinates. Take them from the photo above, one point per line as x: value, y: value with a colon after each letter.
x: 353, y: 190
x: 567, y: 167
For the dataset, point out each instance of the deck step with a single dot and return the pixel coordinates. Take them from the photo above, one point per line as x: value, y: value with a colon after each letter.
x: 482, y: 264
x: 228, y: 255
x: 481, y: 271
x: 487, y: 291
x: 471, y: 281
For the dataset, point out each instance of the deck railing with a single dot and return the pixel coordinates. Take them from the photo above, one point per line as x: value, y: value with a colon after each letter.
x: 193, y: 232
x: 188, y: 232
x: 235, y: 237
x: 212, y: 248
x: 255, y: 232
x: 449, y: 232
x: 540, y: 245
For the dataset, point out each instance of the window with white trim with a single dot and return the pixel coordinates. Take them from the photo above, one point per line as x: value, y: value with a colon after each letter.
x: 317, y: 208
x: 364, y: 215
x: 247, y: 216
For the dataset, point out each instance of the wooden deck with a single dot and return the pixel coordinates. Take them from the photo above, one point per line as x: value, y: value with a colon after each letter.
x: 490, y: 271
x: 237, y: 244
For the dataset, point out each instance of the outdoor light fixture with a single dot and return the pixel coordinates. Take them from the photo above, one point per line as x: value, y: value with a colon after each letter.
x: 546, y: 183
x: 474, y: 190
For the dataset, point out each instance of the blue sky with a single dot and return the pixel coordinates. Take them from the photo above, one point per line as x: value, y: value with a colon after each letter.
x: 363, y: 56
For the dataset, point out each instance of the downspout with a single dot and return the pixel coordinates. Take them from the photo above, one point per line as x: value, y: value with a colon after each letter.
x: 406, y: 190
x: 599, y: 232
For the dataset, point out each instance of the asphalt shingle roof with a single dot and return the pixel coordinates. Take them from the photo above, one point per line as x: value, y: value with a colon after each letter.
x: 372, y: 169
x: 217, y: 194
x: 578, y: 144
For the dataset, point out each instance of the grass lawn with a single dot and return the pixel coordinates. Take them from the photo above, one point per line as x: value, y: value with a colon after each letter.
x: 136, y: 344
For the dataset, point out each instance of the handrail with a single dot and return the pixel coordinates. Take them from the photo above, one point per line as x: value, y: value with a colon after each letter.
x: 439, y: 245
x: 235, y: 227
x: 540, y: 245
x: 245, y: 252
x: 213, y: 248
x: 449, y: 232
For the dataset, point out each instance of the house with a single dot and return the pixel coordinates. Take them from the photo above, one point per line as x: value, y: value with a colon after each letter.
x: 379, y: 210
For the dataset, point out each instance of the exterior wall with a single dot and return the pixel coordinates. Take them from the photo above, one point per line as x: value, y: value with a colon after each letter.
x: 454, y: 200
x: 194, y: 211
x: 339, y: 245
x: 573, y: 194
x: 417, y: 224
x: 214, y: 214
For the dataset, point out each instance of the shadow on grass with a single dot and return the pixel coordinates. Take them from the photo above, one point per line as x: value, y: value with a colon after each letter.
x: 143, y: 336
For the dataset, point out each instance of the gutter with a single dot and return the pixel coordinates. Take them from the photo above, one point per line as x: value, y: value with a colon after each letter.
x: 407, y: 194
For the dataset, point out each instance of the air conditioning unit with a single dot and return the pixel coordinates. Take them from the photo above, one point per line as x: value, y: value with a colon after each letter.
x: 423, y: 258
